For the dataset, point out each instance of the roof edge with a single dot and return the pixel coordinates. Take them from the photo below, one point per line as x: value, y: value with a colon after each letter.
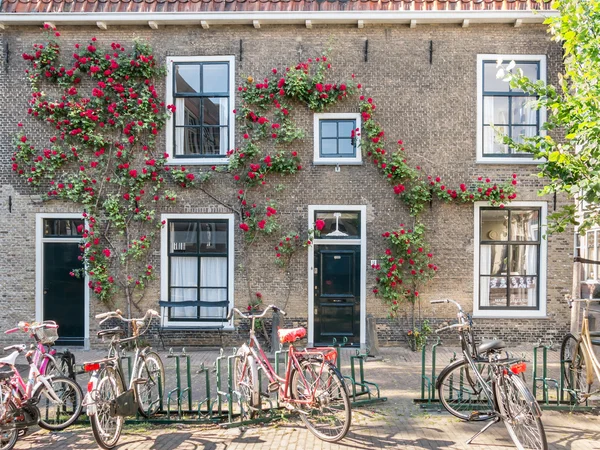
x: 205, y: 19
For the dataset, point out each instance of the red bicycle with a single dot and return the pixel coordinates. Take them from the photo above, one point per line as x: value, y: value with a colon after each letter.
x: 312, y: 385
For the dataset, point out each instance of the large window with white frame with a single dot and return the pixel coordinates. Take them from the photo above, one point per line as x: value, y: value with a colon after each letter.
x: 503, y: 110
x: 510, y: 264
x: 337, y: 138
x: 197, y: 258
x: 201, y: 129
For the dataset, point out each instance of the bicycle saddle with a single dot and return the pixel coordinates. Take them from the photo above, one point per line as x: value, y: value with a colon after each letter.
x: 111, y: 332
x: 10, y: 359
x: 291, y: 335
x: 485, y: 347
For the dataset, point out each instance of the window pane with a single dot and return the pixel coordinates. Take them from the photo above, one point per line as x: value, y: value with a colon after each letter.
x: 346, y: 148
x: 493, y: 293
x: 530, y: 70
x: 519, y: 133
x: 494, y: 225
x: 328, y: 147
x: 490, y: 82
x: 183, y: 295
x: 215, y: 78
x: 213, y: 295
x: 213, y: 272
x: 495, y: 110
x: 188, y: 140
x: 184, y: 272
x: 212, y: 144
x: 339, y: 224
x: 490, y: 143
x: 213, y: 237
x: 63, y: 227
x: 523, y: 292
x: 328, y: 128
x: 215, y: 111
x: 187, y: 111
x: 524, y: 225
x: 523, y: 259
x: 493, y: 259
x: 184, y: 237
x: 187, y: 78
x: 522, y: 111
x: 346, y: 127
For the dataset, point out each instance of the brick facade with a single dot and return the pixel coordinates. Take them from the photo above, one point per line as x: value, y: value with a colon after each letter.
x: 431, y: 106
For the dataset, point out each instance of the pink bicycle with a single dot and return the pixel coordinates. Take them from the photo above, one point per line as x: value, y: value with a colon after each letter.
x: 52, y: 402
x: 311, y: 386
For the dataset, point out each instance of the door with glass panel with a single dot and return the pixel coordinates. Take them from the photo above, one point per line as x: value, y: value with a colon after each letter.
x: 509, y: 258
x: 198, y: 271
x: 63, y: 293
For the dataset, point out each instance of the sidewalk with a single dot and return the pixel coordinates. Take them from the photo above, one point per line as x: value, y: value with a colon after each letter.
x: 397, y: 423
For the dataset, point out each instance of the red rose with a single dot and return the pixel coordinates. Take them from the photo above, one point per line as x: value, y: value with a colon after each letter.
x: 244, y: 226
x: 106, y: 252
x: 262, y: 224
x: 190, y: 176
x: 320, y: 224
x: 133, y: 173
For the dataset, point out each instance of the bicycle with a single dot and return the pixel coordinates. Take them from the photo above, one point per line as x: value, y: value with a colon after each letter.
x: 578, y: 360
x: 46, y: 358
x: 311, y: 385
x: 53, y: 403
x: 107, y: 402
x: 494, y: 387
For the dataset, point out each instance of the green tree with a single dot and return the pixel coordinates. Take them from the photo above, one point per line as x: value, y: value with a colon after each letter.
x: 569, y: 153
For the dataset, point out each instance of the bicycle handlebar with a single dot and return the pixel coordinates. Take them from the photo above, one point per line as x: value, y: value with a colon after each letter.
x: 449, y: 327
x: 119, y: 315
x: 447, y: 300
x: 256, y: 316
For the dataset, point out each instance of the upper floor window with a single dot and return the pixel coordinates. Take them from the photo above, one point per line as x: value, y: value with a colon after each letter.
x: 201, y: 129
x: 337, y: 138
x: 503, y: 110
x: 510, y: 260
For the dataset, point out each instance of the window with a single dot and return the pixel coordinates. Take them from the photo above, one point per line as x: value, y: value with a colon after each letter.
x: 201, y: 129
x: 510, y: 260
x: 502, y: 110
x: 337, y: 138
x: 197, y: 268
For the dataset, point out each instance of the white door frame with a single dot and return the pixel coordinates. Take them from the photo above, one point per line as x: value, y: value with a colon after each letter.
x: 363, y: 265
x: 39, y: 270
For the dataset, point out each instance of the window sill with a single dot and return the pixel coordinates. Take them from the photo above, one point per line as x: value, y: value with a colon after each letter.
x: 198, y: 161
x: 511, y: 161
x: 337, y: 162
x: 203, y: 327
x: 509, y: 316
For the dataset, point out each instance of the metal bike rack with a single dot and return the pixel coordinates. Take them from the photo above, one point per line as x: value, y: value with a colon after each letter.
x: 544, y: 379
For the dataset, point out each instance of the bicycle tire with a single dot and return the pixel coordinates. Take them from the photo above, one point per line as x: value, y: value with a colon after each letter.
x: 574, y: 368
x: 461, y: 394
x: 109, y: 387
x: 246, y: 382
x: 52, y: 370
x: 8, y: 439
x: 148, y: 394
x: 332, y: 399
x: 520, y: 413
x: 53, y: 417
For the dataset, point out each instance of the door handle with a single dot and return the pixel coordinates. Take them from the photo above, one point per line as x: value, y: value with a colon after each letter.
x: 45, y: 291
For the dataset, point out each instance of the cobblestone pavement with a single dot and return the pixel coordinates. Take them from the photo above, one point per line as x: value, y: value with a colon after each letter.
x: 396, y: 423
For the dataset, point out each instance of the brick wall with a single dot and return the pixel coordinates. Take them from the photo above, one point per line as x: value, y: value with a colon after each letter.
x: 432, y: 107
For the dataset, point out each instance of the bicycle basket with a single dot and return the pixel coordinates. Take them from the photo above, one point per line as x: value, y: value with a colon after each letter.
x: 47, y: 333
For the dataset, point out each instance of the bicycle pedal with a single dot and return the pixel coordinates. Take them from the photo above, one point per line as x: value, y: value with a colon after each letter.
x: 273, y: 387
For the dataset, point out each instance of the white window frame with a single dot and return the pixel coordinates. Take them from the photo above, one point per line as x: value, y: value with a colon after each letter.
x: 481, y: 159
x: 170, y: 149
x: 164, y: 270
x: 543, y: 267
x: 318, y: 159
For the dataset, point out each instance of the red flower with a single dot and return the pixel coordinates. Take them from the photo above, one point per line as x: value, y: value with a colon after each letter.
x: 262, y: 224
x: 319, y: 224
x: 126, y: 196
x: 190, y: 176
x: 244, y: 226
x: 463, y: 187
x: 133, y: 173
x: 106, y: 252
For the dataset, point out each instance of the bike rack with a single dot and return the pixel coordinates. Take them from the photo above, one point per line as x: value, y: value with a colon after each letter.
x: 544, y: 379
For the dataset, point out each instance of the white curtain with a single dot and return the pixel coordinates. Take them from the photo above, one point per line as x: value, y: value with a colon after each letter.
x: 223, y: 120
x: 179, y: 131
x: 532, y: 259
x: 485, y: 262
x: 213, y: 274
x: 184, y: 272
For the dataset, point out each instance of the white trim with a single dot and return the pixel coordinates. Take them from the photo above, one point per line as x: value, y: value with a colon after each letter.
x: 542, y: 276
x: 169, y: 100
x: 164, y: 269
x: 39, y: 270
x: 363, y: 266
x: 542, y: 112
x: 320, y: 160
x: 278, y: 17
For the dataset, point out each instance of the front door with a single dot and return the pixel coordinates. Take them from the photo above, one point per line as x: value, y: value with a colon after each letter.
x: 337, y: 294
x: 63, y: 294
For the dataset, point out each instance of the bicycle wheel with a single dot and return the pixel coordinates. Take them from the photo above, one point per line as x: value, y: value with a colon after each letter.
x: 574, y: 368
x: 322, y: 399
x: 52, y: 370
x: 106, y: 426
x: 246, y: 382
x: 461, y: 392
x: 520, y: 413
x: 8, y: 438
x: 54, y: 415
x: 149, y: 393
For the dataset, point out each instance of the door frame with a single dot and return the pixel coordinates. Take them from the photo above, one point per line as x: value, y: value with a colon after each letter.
x: 39, y: 270
x: 363, y: 265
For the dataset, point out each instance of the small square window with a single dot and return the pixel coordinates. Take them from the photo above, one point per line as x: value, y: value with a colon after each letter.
x: 337, y: 138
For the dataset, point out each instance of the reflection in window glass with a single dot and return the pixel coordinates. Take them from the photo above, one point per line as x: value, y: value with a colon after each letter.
x: 343, y: 224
